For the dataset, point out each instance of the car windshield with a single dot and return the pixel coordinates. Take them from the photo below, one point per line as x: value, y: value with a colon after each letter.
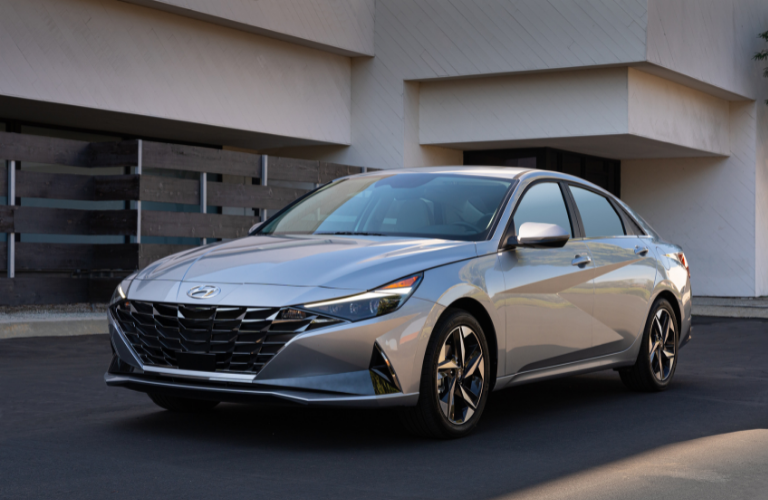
x: 446, y: 206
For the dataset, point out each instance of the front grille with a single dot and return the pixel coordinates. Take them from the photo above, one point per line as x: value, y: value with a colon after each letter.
x: 243, y: 339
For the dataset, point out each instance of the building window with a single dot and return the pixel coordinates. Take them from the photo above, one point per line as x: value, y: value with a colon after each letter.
x: 603, y: 172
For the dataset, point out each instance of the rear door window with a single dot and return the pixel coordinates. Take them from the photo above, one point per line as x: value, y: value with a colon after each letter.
x: 597, y: 214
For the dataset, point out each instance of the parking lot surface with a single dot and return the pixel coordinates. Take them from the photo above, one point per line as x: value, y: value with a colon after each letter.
x: 64, y: 434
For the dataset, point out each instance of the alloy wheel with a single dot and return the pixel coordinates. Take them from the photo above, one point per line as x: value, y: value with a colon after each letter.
x: 662, y: 345
x: 460, y: 375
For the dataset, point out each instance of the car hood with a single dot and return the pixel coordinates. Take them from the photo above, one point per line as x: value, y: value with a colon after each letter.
x: 355, y: 263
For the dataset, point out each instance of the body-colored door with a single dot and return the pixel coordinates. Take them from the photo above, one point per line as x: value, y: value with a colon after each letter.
x: 548, y: 293
x: 625, y: 271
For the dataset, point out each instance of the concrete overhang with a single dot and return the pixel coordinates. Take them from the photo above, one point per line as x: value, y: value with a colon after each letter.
x: 618, y: 147
x: 148, y: 72
x: 141, y: 126
x: 342, y: 27
x: 620, y: 113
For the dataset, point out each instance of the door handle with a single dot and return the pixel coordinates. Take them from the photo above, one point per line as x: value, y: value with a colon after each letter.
x: 641, y: 251
x: 581, y: 260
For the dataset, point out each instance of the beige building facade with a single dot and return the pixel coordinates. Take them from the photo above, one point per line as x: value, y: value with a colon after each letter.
x: 657, y: 100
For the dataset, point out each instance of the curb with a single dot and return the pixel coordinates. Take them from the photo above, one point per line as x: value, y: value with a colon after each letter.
x: 67, y: 327
x: 731, y: 312
x: 53, y: 328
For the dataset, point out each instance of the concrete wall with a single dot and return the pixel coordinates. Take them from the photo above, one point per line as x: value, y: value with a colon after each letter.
x: 414, y: 153
x: 752, y: 17
x: 108, y: 55
x: 717, y: 209
x: 429, y: 39
x: 340, y: 26
x: 438, y: 43
x: 703, y: 39
x: 672, y: 113
x: 761, y: 194
x: 706, y: 205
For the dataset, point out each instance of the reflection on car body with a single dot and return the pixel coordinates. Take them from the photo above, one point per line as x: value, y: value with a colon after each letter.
x: 419, y: 288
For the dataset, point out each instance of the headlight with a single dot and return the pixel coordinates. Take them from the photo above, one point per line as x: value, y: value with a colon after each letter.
x: 383, y: 300
x: 119, y: 293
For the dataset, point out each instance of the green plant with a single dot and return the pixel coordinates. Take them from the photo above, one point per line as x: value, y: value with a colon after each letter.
x: 763, y: 55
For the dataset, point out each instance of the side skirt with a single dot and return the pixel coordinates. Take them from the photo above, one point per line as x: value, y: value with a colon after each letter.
x: 616, y: 360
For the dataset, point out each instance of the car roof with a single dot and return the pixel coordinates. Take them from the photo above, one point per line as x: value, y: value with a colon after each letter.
x: 512, y: 173
x: 476, y: 171
x: 488, y: 171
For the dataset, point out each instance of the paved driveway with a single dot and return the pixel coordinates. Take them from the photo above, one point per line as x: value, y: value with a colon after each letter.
x: 64, y: 434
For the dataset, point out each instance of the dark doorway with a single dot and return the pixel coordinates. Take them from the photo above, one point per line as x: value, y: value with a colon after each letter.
x: 604, y: 172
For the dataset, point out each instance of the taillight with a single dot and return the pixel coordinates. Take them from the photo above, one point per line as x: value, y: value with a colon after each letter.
x: 680, y: 257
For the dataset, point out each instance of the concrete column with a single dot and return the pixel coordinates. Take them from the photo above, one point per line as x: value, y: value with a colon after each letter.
x: 11, y: 240
x: 203, y: 198
x: 138, y: 202
x: 264, y: 168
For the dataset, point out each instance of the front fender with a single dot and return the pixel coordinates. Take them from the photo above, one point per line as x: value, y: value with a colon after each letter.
x: 475, y: 279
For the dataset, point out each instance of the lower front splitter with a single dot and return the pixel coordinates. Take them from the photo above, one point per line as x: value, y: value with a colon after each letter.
x: 239, y: 393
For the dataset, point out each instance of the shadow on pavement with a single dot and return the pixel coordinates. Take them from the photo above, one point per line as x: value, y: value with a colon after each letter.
x: 86, y: 435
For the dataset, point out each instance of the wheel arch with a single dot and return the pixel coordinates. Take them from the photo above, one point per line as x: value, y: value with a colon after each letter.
x: 482, y: 316
x: 670, y: 297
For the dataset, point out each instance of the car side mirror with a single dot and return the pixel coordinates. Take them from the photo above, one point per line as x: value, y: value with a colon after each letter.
x: 538, y: 235
x: 254, y: 228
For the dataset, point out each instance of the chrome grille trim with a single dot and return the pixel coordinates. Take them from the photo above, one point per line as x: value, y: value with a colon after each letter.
x: 243, y: 339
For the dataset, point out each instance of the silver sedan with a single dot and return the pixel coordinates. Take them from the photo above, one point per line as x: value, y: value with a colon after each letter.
x: 423, y: 289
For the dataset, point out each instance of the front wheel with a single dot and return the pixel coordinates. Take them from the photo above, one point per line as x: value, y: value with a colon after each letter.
x: 455, y: 380
x: 657, y: 360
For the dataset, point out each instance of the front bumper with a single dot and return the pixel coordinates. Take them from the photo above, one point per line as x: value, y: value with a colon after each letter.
x: 243, y: 393
x: 328, y: 367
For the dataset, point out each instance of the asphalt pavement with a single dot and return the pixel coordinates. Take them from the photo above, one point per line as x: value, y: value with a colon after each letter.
x: 64, y: 434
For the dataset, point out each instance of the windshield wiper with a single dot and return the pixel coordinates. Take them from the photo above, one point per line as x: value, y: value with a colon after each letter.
x: 352, y: 233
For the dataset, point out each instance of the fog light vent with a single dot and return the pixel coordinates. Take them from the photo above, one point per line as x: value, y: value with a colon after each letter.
x: 383, y: 375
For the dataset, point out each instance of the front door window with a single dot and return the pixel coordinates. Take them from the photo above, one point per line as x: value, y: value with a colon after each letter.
x: 543, y: 203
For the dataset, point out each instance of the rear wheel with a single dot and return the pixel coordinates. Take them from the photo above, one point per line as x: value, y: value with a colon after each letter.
x: 657, y: 360
x: 182, y: 405
x: 455, y: 380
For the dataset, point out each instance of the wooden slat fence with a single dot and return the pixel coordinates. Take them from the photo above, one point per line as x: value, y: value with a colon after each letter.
x: 40, y: 273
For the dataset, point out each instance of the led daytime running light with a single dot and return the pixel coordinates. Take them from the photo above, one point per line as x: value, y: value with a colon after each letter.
x: 378, y: 302
x: 353, y: 298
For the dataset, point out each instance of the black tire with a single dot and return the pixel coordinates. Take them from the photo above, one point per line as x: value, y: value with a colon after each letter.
x: 642, y: 376
x: 182, y: 405
x: 427, y: 419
